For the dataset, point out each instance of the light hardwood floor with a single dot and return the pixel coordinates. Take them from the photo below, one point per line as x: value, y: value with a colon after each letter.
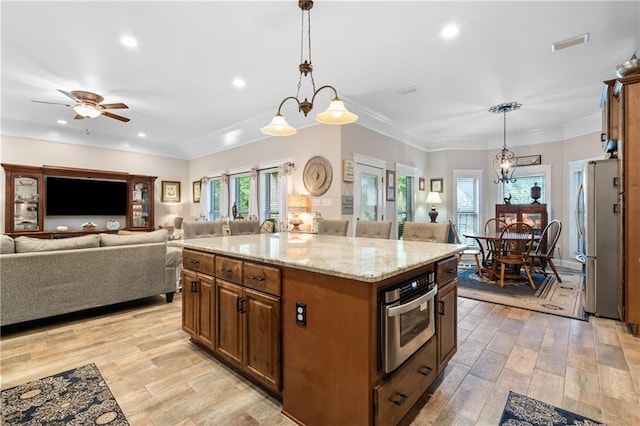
x: 159, y: 378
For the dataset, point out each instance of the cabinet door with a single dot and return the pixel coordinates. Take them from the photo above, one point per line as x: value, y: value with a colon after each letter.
x: 141, y: 202
x: 189, y: 302
x: 205, y: 300
x: 229, y: 308
x: 262, y: 337
x: 447, y: 322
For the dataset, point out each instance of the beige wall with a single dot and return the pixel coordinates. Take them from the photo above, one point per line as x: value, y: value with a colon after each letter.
x: 332, y: 142
x: 37, y: 153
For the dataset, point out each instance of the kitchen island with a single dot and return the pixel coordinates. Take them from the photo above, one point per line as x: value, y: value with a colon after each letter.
x: 300, y: 315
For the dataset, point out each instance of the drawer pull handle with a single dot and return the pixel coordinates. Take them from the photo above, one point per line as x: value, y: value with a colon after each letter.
x: 425, y: 371
x: 194, y: 286
x: 240, y: 305
x: 195, y: 262
x: 253, y: 277
x: 401, y: 399
x: 450, y: 271
x: 226, y: 271
x: 442, y: 305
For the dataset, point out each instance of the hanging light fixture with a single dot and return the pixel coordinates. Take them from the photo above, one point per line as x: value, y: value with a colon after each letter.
x: 335, y: 114
x: 505, y: 162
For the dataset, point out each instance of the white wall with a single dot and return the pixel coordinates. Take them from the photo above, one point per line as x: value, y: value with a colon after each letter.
x: 38, y: 153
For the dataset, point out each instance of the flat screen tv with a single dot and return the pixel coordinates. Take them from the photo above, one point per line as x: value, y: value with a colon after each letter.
x: 85, y: 197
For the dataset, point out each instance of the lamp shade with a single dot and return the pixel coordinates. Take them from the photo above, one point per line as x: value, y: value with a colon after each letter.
x: 278, y: 127
x: 297, y: 202
x: 434, y: 198
x: 336, y: 114
x: 86, y: 110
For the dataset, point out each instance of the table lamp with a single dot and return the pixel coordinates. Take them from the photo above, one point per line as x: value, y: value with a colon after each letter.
x: 296, y: 203
x: 433, y: 198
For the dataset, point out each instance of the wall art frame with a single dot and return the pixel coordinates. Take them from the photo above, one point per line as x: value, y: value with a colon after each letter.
x: 391, y: 185
x: 196, y: 191
x: 170, y: 191
x: 529, y: 160
x: 421, y: 184
x: 436, y: 185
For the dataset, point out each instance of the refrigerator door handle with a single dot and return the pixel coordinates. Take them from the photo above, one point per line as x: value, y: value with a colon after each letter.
x: 616, y: 208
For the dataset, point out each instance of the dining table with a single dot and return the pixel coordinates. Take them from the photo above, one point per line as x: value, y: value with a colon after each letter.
x: 488, y: 252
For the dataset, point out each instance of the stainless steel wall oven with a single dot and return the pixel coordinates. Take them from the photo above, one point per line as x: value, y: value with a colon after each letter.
x: 407, y: 319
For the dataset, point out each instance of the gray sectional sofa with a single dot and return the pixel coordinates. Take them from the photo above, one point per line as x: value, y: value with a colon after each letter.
x: 41, y: 278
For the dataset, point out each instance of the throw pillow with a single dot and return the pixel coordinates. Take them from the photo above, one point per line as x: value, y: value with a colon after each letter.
x: 107, y: 240
x: 29, y: 245
x: 7, y: 245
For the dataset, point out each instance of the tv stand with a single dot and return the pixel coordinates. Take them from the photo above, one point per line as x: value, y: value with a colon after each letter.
x: 25, y: 204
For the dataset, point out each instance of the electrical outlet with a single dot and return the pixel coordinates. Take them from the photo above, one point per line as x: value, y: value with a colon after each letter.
x: 301, y: 314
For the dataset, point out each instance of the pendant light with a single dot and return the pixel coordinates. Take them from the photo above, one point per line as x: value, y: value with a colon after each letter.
x: 335, y: 114
x: 505, y: 162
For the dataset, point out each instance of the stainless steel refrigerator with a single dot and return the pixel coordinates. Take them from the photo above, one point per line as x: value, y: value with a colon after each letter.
x: 600, y: 182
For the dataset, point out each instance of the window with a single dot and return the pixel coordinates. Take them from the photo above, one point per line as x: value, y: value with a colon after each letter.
x: 467, y: 199
x: 405, y: 204
x: 269, y: 194
x: 520, y: 190
x: 214, y: 190
x: 239, y: 189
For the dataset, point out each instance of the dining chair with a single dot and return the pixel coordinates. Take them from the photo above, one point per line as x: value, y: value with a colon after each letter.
x: 423, y: 231
x: 491, y: 226
x: 333, y: 227
x: 471, y: 251
x: 512, y: 250
x: 542, y: 256
x: 373, y: 229
x: 244, y: 227
x: 202, y: 229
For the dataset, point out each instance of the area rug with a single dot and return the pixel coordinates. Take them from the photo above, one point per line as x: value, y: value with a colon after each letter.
x: 520, y: 410
x: 551, y: 297
x: 75, y: 397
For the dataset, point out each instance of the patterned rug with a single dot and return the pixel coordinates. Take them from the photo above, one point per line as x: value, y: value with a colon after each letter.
x: 75, y: 397
x: 520, y: 410
x: 551, y: 297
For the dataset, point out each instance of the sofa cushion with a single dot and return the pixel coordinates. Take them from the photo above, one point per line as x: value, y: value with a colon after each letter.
x: 7, y: 245
x: 159, y: 236
x: 29, y: 245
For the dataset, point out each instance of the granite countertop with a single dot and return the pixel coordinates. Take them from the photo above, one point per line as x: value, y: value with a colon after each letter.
x: 362, y: 259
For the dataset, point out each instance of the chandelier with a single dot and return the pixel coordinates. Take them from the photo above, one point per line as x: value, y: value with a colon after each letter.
x: 505, y: 162
x: 335, y: 114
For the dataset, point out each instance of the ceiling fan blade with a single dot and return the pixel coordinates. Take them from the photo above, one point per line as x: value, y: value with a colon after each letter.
x: 69, y: 95
x: 117, y: 117
x: 52, y: 103
x: 113, y: 106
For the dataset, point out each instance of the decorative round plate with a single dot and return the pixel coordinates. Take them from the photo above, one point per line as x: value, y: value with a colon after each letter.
x: 113, y: 225
x: 317, y: 175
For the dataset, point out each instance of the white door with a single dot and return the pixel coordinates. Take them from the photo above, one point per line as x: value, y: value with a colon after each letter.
x: 368, y: 188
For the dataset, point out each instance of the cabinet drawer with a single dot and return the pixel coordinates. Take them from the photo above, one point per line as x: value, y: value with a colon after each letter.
x: 198, y: 261
x: 395, y: 396
x: 229, y: 269
x: 263, y: 278
x: 446, y: 270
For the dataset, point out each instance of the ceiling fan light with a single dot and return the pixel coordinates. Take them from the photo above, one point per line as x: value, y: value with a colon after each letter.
x: 278, y: 127
x: 337, y: 113
x: 87, y: 110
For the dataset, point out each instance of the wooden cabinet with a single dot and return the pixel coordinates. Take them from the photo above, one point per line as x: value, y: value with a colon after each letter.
x: 248, y: 320
x: 447, y: 310
x: 24, y: 196
x: 609, y: 103
x: 140, y: 215
x: 534, y: 215
x: 198, y: 299
x: 628, y: 111
x: 232, y: 308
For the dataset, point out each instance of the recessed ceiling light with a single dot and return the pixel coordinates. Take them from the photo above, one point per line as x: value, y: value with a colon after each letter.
x: 129, y: 41
x: 142, y: 135
x: 450, y: 31
x: 573, y: 41
x: 62, y: 122
x: 239, y: 82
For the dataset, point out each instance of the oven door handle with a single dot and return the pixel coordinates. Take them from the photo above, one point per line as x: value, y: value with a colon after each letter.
x: 406, y: 307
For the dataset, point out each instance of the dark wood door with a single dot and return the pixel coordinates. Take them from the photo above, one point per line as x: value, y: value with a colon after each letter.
x: 446, y: 322
x: 261, y: 321
x: 189, y: 308
x: 229, y: 307
x: 206, y: 320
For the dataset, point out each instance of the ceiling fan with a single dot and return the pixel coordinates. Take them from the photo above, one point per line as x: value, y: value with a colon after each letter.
x: 88, y: 105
